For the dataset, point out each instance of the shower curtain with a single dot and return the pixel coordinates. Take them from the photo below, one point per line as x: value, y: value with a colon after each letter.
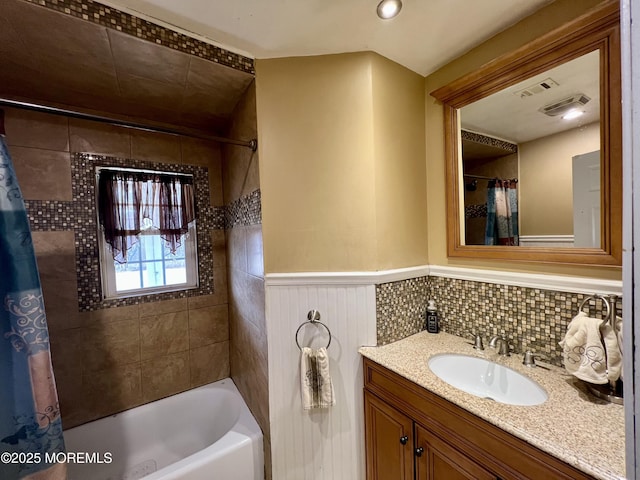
x: 31, y: 442
x: 502, y: 213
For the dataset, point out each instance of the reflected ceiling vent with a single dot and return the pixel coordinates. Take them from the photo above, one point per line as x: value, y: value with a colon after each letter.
x: 542, y: 86
x: 576, y: 101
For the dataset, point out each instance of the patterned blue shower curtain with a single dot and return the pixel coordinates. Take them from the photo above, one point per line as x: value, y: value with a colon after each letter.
x: 502, y: 213
x: 30, y: 424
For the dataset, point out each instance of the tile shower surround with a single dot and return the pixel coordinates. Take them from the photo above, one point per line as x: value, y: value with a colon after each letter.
x: 532, y: 318
x: 79, y: 215
x: 110, y: 17
x: 248, y: 352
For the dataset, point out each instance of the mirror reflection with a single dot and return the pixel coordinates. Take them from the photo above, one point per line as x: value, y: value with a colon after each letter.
x: 531, y: 161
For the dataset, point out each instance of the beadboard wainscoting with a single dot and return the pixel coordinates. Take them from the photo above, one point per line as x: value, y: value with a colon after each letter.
x: 322, y: 444
x: 546, y: 240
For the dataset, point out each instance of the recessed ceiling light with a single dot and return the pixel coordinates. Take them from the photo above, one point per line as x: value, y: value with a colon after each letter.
x: 571, y: 114
x: 389, y: 8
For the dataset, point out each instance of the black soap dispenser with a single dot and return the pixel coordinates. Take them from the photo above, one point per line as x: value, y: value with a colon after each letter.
x: 432, y: 318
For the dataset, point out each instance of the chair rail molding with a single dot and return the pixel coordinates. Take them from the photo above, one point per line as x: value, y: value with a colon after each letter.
x: 560, y: 283
x: 345, y: 278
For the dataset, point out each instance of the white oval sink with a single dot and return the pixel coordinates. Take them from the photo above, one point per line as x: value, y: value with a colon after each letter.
x: 487, y: 379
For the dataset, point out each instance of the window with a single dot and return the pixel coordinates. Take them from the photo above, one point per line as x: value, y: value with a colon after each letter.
x: 147, y: 232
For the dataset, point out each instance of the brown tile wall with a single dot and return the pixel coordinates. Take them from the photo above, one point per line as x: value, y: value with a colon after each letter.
x: 110, y: 360
x: 245, y: 270
x: 112, y: 18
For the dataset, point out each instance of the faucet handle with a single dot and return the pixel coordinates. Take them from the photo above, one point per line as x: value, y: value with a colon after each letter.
x: 477, y: 341
x: 529, y: 358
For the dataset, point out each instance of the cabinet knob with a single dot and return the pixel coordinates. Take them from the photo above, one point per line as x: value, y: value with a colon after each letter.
x: 404, y: 440
x: 419, y: 451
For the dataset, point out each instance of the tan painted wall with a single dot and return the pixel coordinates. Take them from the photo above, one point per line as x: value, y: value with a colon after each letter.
x: 342, y: 163
x: 399, y: 151
x: 546, y: 196
x: 528, y: 29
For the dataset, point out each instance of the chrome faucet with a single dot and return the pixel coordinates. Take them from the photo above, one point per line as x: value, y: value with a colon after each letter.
x: 501, y: 343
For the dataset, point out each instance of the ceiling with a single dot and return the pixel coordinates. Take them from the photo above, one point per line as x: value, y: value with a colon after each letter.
x: 426, y: 35
x: 56, y: 59
x: 510, y: 115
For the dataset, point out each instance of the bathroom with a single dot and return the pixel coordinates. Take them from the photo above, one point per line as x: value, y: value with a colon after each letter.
x: 349, y: 166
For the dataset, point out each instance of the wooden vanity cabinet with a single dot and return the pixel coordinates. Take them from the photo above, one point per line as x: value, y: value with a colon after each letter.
x: 399, y: 448
x: 437, y: 460
x: 412, y: 433
x: 389, y: 441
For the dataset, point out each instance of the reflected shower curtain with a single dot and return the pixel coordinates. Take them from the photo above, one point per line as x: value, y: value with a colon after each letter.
x: 502, y: 213
x: 30, y: 424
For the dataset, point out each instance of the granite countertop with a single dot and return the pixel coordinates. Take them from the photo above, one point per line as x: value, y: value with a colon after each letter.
x: 572, y: 425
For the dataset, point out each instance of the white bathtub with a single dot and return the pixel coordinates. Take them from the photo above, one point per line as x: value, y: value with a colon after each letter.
x: 203, y: 434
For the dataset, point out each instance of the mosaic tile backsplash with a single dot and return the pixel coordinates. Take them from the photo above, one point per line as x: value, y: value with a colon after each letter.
x: 401, y: 308
x: 531, y: 318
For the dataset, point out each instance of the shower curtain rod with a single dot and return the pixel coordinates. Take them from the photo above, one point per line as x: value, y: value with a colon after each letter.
x: 479, y: 176
x: 252, y: 144
x: 483, y: 178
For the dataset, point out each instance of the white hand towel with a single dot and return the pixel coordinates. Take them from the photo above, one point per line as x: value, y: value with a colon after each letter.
x: 583, y: 351
x: 315, y: 380
x: 613, y: 344
x: 620, y: 341
x: 619, y: 331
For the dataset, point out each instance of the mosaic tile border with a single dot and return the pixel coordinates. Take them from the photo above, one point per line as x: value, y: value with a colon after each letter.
x: 486, y: 140
x: 110, y: 17
x: 86, y: 231
x: 214, y: 217
x: 51, y: 215
x: 531, y: 318
x: 79, y: 216
x: 477, y: 210
x: 245, y: 211
x: 56, y: 215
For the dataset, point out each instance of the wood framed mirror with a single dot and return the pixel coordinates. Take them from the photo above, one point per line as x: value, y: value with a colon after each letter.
x: 506, y: 138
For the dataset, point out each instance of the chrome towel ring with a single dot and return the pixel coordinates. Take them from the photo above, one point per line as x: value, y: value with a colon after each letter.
x: 606, y: 303
x: 314, y: 318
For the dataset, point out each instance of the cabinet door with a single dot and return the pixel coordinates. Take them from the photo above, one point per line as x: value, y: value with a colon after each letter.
x: 389, y: 441
x: 437, y: 460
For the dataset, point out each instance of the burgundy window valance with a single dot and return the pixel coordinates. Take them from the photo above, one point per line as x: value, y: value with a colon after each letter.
x: 130, y: 202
